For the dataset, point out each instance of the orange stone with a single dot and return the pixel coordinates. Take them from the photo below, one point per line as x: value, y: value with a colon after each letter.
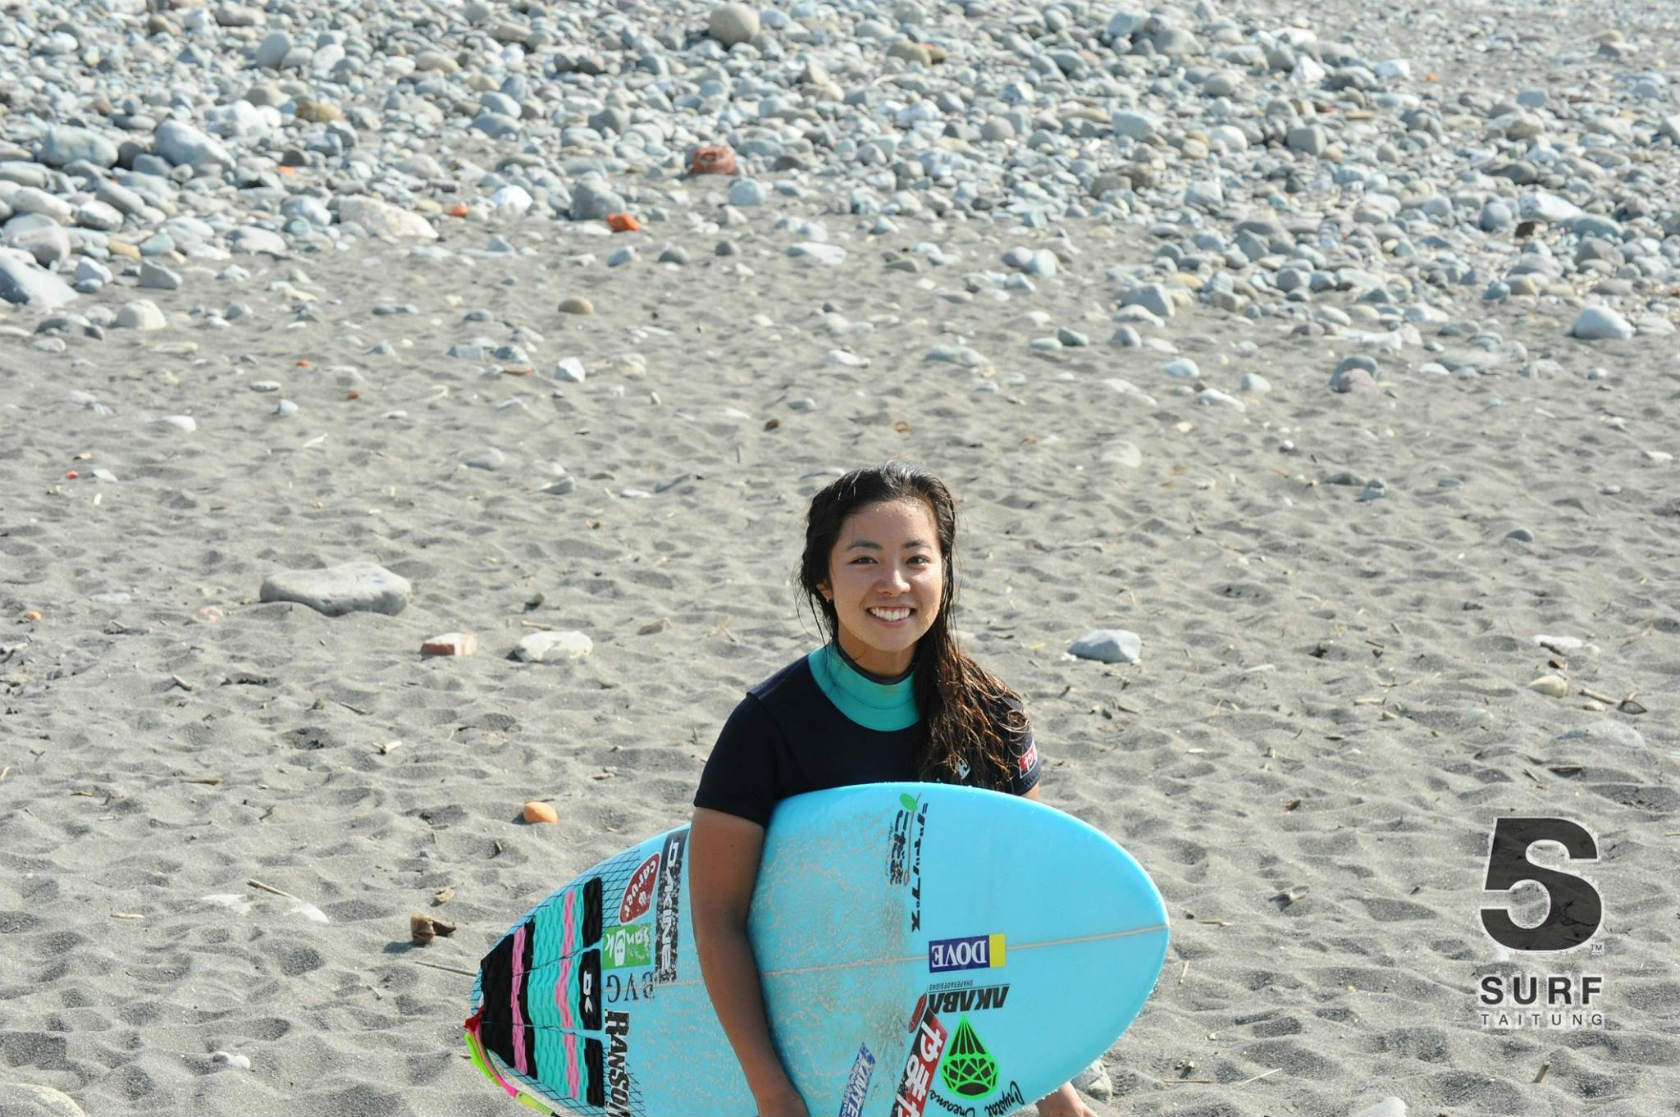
x: 712, y: 159
x: 540, y: 812
x: 622, y: 223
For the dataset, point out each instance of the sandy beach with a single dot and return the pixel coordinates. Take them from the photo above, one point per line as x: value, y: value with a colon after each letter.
x: 1373, y: 621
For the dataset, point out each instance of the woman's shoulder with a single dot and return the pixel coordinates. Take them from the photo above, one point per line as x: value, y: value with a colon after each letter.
x: 795, y: 678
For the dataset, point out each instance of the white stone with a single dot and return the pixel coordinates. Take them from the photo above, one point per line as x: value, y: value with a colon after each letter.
x: 1388, y: 1107
x: 25, y: 283
x: 831, y: 255
x: 383, y: 219
x: 336, y: 590
x: 1135, y: 125
x: 141, y: 314
x: 1110, y: 645
x: 252, y: 238
x: 550, y: 647
x: 1600, y: 323
x: 732, y: 23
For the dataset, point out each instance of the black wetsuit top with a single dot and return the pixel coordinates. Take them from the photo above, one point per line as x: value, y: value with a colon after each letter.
x: 818, y: 723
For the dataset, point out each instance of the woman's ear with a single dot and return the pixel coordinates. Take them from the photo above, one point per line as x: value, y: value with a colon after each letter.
x: 827, y: 593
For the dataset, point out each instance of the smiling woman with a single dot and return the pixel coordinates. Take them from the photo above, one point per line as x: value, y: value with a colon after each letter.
x: 889, y: 697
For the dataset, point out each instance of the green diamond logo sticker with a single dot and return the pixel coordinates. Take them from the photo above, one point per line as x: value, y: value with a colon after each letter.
x: 908, y: 801
x: 969, y: 1068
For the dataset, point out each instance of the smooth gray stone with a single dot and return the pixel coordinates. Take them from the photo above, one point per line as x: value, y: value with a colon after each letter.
x: 43, y: 239
x: 158, y: 278
x: 27, y: 284
x: 1110, y: 645
x: 1600, y: 323
x: 593, y: 199
x: 184, y: 145
x: 347, y: 588
x: 63, y: 144
x: 141, y: 314
x: 1152, y: 297
x: 272, y: 51
x: 251, y: 238
x: 730, y: 24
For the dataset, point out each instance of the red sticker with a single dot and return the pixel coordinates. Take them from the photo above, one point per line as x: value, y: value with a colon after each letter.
x: 638, y: 894
x: 925, y: 1050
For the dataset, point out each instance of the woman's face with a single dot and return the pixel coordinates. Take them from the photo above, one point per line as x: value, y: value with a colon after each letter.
x: 885, y: 578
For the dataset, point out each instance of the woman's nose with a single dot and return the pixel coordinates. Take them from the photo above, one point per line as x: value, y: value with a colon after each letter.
x: 896, y: 577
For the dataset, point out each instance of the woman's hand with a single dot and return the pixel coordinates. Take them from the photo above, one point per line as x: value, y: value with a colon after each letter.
x: 1064, y: 1103
x: 780, y: 1102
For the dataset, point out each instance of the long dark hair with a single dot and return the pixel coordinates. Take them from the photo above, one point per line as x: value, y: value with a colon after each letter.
x: 972, y: 718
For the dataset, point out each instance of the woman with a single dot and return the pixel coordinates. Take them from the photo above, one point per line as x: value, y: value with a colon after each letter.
x: 888, y: 698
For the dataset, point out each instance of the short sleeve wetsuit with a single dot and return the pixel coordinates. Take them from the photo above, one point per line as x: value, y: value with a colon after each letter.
x: 818, y: 723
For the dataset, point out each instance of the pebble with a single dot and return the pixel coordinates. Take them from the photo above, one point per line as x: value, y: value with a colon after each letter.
x: 449, y: 644
x: 26, y: 283
x: 156, y: 277
x: 1600, y: 323
x: 550, y: 647
x: 731, y: 24
x: 336, y: 590
x: 1553, y: 686
x: 747, y: 192
x: 569, y: 370
x: 141, y: 314
x: 226, y: 1059
x: 1109, y: 645
x: 381, y: 218
x: 539, y: 813
x: 1387, y: 1107
x: 576, y: 304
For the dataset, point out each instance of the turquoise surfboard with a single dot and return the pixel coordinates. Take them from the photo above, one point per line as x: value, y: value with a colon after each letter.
x: 925, y: 950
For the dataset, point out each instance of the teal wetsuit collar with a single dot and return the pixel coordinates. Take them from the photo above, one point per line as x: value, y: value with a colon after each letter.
x: 873, y: 705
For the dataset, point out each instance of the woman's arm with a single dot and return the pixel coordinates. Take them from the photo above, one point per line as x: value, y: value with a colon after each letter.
x: 723, y: 853
x: 1064, y: 1101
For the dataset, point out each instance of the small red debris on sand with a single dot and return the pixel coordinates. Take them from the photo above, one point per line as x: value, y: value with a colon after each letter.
x: 712, y: 159
x: 352, y: 394
x: 459, y: 209
x: 71, y: 475
x: 450, y: 643
x: 303, y: 363
x: 622, y: 223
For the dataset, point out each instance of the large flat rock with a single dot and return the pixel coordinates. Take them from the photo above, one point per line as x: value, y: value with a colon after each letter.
x: 350, y: 587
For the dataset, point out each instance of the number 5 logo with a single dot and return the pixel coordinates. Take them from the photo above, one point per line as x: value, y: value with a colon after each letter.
x: 1574, y: 910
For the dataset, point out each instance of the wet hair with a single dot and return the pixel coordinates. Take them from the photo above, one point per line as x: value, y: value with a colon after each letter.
x: 972, y: 718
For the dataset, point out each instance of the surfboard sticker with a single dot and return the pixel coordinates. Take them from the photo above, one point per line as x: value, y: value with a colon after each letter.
x: 628, y: 946
x: 904, y: 852
x: 638, y: 894
x: 927, y: 1044
x: 857, y: 1085
x: 670, y: 897
x: 969, y: 1068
